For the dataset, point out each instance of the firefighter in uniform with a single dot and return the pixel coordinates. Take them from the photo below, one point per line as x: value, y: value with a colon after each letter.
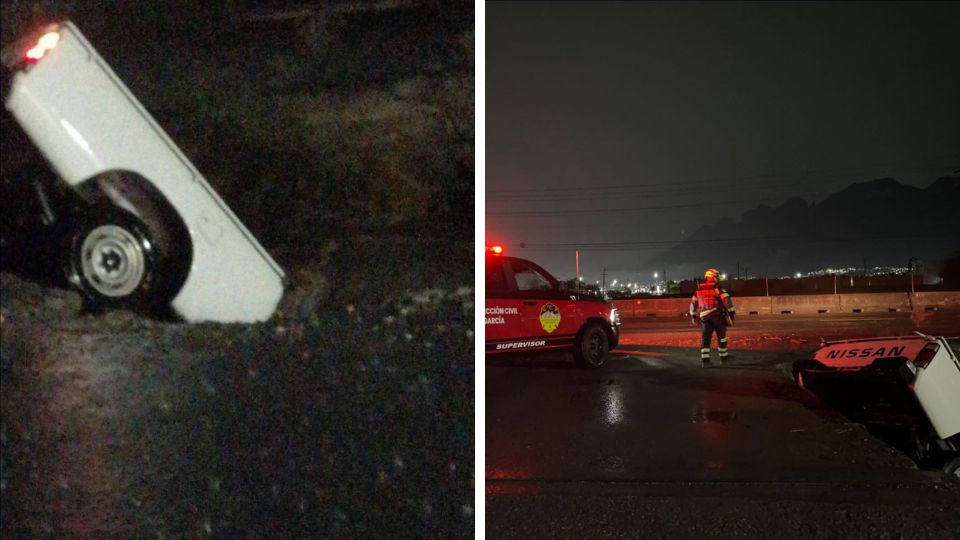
x: 712, y: 307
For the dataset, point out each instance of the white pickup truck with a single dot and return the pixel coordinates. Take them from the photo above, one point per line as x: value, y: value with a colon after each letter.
x: 913, y: 381
x: 151, y: 232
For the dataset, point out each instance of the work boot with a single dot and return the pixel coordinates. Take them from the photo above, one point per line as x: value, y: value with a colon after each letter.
x: 705, y: 363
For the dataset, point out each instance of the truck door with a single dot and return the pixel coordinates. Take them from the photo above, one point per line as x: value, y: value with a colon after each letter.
x: 546, y: 312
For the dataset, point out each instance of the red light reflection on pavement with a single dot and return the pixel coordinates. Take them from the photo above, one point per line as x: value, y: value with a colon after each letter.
x: 498, y: 473
x: 501, y: 481
x: 514, y: 488
x: 652, y: 354
x: 712, y: 422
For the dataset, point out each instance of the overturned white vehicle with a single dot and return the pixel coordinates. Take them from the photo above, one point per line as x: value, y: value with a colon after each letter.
x: 911, y: 381
x: 150, y: 231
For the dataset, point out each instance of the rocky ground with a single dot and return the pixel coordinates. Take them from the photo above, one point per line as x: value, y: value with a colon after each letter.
x: 350, y: 414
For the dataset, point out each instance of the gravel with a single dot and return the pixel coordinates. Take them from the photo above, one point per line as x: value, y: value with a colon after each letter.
x: 349, y: 414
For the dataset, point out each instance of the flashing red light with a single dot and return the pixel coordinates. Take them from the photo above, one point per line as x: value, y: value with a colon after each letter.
x: 926, y: 355
x: 45, y: 44
x: 495, y: 250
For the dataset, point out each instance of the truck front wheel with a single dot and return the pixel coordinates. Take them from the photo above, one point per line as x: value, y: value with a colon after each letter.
x: 112, y: 260
x: 592, y: 346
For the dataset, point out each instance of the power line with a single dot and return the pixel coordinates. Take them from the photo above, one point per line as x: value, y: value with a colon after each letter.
x: 630, y: 209
x: 564, y: 212
x: 551, y: 198
x: 635, y: 190
x: 588, y: 195
x: 736, y: 180
x: 662, y: 244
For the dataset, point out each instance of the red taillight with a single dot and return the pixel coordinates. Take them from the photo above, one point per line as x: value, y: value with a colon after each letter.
x: 926, y: 355
x: 45, y: 44
x: 495, y: 250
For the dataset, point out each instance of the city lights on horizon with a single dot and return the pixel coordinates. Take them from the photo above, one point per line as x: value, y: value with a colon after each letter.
x: 658, y: 286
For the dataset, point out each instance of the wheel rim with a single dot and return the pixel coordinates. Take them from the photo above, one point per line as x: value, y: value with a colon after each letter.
x: 112, y: 261
x: 595, y: 347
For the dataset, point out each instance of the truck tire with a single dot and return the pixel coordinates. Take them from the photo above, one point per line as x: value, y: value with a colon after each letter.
x: 113, y: 260
x: 592, y: 346
x: 952, y: 467
x: 919, y: 446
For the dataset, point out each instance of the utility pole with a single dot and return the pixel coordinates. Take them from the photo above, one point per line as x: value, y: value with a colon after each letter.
x: 603, y: 272
x: 738, y: 270
x: 910, y: 269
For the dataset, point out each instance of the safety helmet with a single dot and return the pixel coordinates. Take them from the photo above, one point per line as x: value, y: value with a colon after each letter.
x: 711, y: 274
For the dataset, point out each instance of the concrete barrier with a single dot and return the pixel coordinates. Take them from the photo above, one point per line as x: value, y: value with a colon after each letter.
x: 752, y: 305
x: 652, y: 307
x: 625, y: 307
x: 810, y: 304
x: 874, y: 303
x: 807, y: 304
x: 934, y: 301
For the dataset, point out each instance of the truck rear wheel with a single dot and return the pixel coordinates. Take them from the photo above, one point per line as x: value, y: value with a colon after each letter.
x: 113, y: 260
x: 592, y: 346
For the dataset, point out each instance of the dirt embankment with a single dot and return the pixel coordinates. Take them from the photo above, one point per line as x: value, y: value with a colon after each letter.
x: 352, y: 418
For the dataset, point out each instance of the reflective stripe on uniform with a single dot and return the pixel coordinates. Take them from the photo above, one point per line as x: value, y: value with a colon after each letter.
x: 726, y: 301
x: 705, y: 353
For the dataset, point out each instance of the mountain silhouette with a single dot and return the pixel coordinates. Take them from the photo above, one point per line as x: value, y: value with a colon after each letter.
x: 881, y: 221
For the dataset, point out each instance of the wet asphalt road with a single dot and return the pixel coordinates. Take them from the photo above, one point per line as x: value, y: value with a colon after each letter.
x: 652, y: 445
x: 344, y: 417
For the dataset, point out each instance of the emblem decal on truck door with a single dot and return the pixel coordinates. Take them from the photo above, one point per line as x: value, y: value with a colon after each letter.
x: 549, y: 317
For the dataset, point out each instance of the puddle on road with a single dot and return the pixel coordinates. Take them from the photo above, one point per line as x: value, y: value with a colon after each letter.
x: 703, y: 415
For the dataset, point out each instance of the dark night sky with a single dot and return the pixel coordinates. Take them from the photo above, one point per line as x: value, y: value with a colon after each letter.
x: 599, y: 116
